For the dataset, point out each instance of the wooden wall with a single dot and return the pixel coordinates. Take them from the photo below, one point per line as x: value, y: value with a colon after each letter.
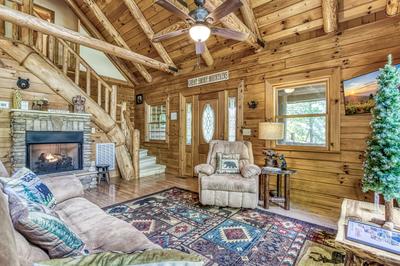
x: 9, y: 73
x: 323, y: 179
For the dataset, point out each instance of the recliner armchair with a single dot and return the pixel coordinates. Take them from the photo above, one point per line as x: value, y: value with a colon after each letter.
x: 234, y: 190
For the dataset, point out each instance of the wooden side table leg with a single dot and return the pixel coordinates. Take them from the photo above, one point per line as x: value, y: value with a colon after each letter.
x: 287, y: 192
x: 261, y: 187
x: 266, y: 192
x: 278, y: 185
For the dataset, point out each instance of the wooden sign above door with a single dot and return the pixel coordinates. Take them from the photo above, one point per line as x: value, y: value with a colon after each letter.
x: 207, y: 79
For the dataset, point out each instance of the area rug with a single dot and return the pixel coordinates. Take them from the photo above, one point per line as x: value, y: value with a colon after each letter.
x: 223, y: 236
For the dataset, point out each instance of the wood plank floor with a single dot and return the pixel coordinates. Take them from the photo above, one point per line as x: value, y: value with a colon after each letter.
x: 120, y: 190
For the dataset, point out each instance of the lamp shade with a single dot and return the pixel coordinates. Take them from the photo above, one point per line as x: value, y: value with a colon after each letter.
x: 199, y: 32
x: 270, y: 131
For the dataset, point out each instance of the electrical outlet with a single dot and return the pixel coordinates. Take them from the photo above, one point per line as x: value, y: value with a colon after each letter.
x: 246, y: 131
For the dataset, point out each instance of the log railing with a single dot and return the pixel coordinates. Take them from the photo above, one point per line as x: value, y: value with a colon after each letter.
x: 132, y: 137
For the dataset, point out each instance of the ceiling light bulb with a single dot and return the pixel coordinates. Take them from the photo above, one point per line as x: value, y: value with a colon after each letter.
x: 199, y: 32
x: 288, y: 91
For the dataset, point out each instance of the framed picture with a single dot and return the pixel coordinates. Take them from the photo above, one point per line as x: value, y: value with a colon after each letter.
x: 4, y: 105
x: 139, y: 99
x: 374, y: 236
x: 359, y: 93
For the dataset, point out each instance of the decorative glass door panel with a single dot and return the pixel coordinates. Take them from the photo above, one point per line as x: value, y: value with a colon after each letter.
x: 208, y: 123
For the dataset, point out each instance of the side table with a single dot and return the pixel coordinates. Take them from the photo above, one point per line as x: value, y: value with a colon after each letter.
x: 266, y: 173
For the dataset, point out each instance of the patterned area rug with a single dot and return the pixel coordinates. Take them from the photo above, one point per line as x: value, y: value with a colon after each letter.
x: 222, y: 236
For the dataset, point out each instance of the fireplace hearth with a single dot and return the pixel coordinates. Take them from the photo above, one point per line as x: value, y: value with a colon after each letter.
x: 51, y: 152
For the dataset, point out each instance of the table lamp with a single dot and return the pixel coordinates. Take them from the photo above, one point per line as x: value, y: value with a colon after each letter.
x: 271, y: 131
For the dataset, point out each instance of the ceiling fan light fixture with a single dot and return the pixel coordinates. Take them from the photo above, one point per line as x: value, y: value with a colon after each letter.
x: 199, y: 32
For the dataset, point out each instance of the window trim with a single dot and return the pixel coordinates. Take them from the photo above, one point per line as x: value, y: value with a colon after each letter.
x: 276, y: 89
x: 146, y: 128
x: 332, y: 77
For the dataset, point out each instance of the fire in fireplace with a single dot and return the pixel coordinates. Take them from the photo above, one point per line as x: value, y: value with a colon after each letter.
x: 51, y: 152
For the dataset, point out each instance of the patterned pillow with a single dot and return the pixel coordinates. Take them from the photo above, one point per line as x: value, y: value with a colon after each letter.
x: 29, y: 186
x: 43, y: 227
x: 228, y: 163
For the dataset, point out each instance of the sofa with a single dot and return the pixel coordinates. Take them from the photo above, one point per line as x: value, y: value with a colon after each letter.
x: 238, y: 190
x: 100, y: 231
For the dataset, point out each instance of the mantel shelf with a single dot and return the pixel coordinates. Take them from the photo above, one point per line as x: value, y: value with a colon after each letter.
x: 50, y: 113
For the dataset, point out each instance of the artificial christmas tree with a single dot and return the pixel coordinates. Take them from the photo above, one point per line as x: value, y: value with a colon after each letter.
x: 382, y: 163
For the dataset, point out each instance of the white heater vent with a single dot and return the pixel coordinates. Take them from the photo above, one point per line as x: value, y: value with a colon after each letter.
x: 105, y: 154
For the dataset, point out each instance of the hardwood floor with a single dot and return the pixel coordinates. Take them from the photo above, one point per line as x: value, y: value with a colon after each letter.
x: 120, y: 190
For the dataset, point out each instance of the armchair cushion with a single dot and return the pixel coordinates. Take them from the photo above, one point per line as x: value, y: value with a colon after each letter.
x: 206, y: 169
x: 64, y: 187
x: 250, y: 170
x: 229, y: 182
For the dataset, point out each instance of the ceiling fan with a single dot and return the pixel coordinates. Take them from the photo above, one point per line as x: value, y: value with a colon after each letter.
x: 200, y: 21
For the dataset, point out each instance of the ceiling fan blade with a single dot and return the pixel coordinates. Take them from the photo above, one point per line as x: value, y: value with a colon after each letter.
x: 176, y: 8
x: 200, y: 47
x: 230, y: 34
x: 163, y: 36
x: 224, y: 9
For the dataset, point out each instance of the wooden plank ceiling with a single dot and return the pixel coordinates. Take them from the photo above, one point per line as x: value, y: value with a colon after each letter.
x: 275, y: 20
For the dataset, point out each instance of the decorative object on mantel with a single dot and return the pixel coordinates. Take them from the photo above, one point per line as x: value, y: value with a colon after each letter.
x: 271, y: 131
x: 252, y: 104
x: 17, y: 99
x: 79, y: 104
x: 208, y: 79
x: 139, y: 99
x: 23, y: 84
x: 4, y: 104
x: 382, y: 163
x: 41, y: 104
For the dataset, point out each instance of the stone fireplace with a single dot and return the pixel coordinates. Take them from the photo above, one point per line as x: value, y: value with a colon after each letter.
x: 52, y: 143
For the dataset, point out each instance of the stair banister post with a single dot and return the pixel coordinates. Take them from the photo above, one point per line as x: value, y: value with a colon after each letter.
x: 113, y: 102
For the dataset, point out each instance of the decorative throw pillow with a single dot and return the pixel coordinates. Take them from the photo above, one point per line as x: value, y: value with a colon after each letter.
x: 155, y: 257
x: 228, y: 163
x: 43, y: 227
x: 29, y: 186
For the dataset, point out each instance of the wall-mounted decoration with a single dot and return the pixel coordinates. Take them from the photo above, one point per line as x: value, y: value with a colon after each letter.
x: 17, y: 99
x: 41, y: 104
x: 359, y: 93
x: 23, y: 83
x: 207, y: 79
x: 139, y: 99
x: 252, y: 104
x: 4, y: 105
x: 174, y: 116
x: 79, y: 104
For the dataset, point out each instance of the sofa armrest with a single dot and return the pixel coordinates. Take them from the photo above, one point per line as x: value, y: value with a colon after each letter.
x: 250, y: 170
x: 64, y: 187
x: 206, y: 169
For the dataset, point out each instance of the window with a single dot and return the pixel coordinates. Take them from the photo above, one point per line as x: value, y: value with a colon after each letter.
x: 208, y: 123
x: 188, y: 124
x: 303, y: 110
x: 157, y: 122
x: 232, y: 118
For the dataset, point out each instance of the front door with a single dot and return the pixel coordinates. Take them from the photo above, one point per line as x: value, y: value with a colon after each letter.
x: 204, y: 118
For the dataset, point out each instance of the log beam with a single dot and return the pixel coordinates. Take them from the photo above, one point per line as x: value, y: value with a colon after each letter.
x: 392, y: 7
x: 231, y: 21
x: 141, y: 20
x: 118, y: 63
x: 249, y: 18
x: 329, y: 15
x: 101, y: 17
x: 67, y: 89
x: 43, y: 26
x: 207, y: 57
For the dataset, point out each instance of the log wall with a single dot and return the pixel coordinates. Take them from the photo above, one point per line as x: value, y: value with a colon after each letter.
x: 10, y: 70
x: 323, y: 179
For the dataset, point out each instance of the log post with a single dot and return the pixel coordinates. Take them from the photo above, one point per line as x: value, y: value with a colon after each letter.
x: 51, y: 49
x: 2, y: 24
x: 389, y: 215
x: 392, y: 7
x: 113, y: 103
x: 329, y: 14
x: 107, y: 100
x: 26, y: 33
x: 99, y: 85
x: 65, y: 59
x: 77, y: 70
x: 135, y: 151
x: 67, y: 89
x: 88, y: 81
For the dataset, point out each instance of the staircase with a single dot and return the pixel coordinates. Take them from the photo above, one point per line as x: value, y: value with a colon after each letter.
x: 148, y: 165
x: 58, y: 64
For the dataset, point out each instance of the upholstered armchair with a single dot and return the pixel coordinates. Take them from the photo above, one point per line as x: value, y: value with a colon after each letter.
x: 239, y: 188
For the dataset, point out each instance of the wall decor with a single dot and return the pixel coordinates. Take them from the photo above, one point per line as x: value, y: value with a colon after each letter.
x: 23, y: 83
x: 24, y: 105
x: 174, y: 116
x: 79, y: 104
x: 139, y: 99
x: 252, y: 104
x: 41, y: 104
x: 359, y: 93
x: 4, y: 105
x: 17, y: 99
x: 207, y: 79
